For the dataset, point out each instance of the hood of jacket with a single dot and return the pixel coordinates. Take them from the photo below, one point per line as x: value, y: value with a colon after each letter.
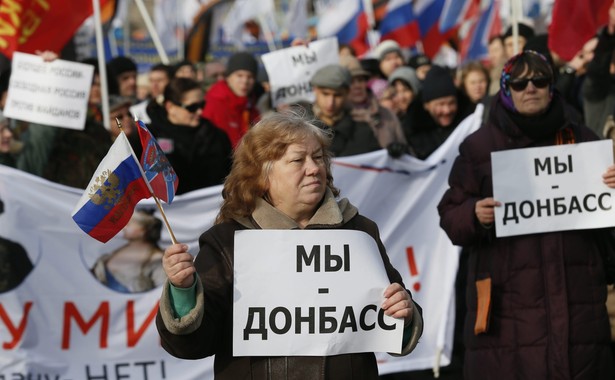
x: 330, y: 214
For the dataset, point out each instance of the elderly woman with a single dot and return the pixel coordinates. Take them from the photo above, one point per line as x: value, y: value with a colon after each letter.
x: 547, y: 295
x: 280, y: 179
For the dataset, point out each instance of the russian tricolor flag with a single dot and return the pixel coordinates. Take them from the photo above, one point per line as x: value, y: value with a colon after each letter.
x: 400, y: 24
x: 115, y: 189
x: 428, y: 15
x: 476, y: 44
x: 347, y: 20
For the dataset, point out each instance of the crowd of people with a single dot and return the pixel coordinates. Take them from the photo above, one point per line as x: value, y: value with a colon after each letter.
x: 548, y: 291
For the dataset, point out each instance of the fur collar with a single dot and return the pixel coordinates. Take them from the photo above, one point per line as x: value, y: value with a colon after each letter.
x: 330, y: 214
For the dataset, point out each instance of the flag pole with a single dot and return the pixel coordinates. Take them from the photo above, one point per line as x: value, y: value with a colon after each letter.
x: 102, y: 68
x: 164, y: 216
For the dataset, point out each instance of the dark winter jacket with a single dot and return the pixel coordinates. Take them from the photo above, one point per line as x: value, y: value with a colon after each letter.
x: 422, y: 132
x: 207, y: 329
x: 201, y: 156
x: 548, y: 316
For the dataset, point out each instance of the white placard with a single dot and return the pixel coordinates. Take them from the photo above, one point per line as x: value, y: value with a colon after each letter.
x: 552, y: 188
x: 297, y: 293
x: 51, y: 93
x: 290, y: 70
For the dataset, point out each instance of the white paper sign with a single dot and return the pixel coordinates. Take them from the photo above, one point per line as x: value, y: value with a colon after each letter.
x: 290, y: 70
x: 51, y: 93
x: 287, y: 287
x: 552, y: 188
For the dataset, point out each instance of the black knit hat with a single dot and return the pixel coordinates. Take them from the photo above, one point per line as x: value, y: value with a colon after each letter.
x: 524, y: 31
x: 438, y: 83
x: 242, y: 61
x: 119, y: 65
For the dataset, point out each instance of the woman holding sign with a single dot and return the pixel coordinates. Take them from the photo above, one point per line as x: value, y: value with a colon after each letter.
x: 536, y: 303
x: 280, y: 180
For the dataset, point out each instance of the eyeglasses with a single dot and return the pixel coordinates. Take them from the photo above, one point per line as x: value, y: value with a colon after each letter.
x: 521, y: 84
x: 192, y: 108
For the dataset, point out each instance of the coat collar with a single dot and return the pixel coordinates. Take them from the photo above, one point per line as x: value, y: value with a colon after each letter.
x: 330, y: 214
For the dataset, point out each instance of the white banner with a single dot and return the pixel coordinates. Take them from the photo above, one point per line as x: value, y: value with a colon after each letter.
x: 552, y: 188
x: 290, y: 70
x: 61, y: 323
x: 294, y: 275
x: 51, y: 93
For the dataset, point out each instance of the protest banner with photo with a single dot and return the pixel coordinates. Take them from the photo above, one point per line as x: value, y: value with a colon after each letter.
x: 552, y: 188
x: 59, y: 322
x: 51, y: 93
x: 322, y: 289
x: 291, y: 69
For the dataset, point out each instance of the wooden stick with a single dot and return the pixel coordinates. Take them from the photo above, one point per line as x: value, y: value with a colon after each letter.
x: 164, y: 217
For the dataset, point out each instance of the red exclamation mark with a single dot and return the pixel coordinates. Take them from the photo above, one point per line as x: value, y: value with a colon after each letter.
x: 414, y: 271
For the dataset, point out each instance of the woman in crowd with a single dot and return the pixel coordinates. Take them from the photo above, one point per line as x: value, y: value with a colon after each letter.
x: 137, y: 265
x: 547, y: 292
x: 199, y: 152
x: 281, y: 179
x: 474, y: 81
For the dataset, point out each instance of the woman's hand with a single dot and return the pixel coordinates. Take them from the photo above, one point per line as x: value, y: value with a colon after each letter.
x: 609, y: 177
x: 485, y: 210
x: 178, y: 265
x: 397, y: 303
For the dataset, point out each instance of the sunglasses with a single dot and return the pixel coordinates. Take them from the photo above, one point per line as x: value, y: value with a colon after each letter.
x: 521, y: 84
x: 192, y: 108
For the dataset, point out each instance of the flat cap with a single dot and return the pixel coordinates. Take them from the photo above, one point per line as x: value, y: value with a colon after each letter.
x: 332, y: 76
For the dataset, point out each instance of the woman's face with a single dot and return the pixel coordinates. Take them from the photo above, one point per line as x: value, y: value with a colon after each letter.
x: 134, y: 230
x: 475, y: 84
x: 6, y: 137
x: 189, y: 112
x: 298, y: 180
x: 403, y: 96
x: 241, y: 82
x: 534, y: 98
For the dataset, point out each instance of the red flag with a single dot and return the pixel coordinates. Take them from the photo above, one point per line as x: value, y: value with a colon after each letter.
x: 574, y: 22
x: 157, y: 168
x: 30, y: 25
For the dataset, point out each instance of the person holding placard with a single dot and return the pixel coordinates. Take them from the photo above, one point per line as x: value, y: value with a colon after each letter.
x: 535, y: 303
x: 280, y: 180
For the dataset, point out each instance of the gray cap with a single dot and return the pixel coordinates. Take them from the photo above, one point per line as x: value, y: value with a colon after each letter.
x: 408, y: 75
x: 117, y: 101
x: 332, y: 76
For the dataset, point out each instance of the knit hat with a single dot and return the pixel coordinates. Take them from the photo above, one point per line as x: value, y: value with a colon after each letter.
x: 524, y: 31
x: 370, y: 65
x: 354, y: 66
x: 242, y: 61
x: 119, y: 65
x: 407, y: 75
x: 419, y: 60
x: 332, y: 76
x: 438, y: 83
x: 386, y: 47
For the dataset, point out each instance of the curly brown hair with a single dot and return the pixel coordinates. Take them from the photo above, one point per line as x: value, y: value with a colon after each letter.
x: 253, y: 158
